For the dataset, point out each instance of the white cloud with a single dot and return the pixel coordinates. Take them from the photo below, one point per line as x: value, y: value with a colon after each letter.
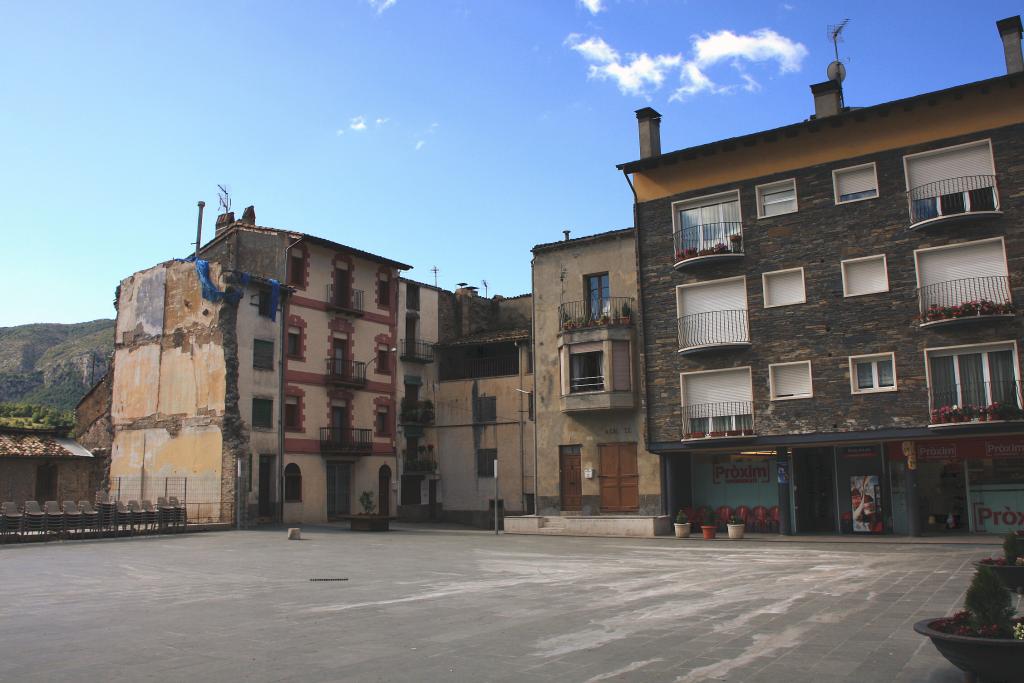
x: 419, y: 144
x: 641, y: 73
x: 381, y: 5
x: 593, y: 6
x: 358, y: 123
x: 381, y: 120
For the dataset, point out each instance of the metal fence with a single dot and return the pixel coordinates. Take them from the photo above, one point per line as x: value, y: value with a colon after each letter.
x: 713, y: 327
x: 952, y: 196
x: 965, y: 298
x: 200, y: 496
x: 708, y: 239
x: 617, y: 310
x: 729, y: 418
x: 346, y: 299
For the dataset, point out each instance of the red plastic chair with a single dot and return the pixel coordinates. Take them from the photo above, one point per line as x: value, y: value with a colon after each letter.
x: 743, y: 513
x: 723, y: 514
x: 760, y: 522
x: 775, y: 515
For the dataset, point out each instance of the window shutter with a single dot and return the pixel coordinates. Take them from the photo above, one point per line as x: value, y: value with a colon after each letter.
x: 784, y: 288
x: 957, y: 263
x: 791, y: 380
x: 717, y: 387
x: 728, y: 295
x: 855, y: 180
x: 778, y: 198
x: 620, y: 366
x: 263, y: 354
x: 955, y: 163
x: 586, y: 347
x: 865, y: 276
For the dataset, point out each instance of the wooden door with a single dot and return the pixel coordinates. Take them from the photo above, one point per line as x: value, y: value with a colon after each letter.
x: 620, y: 480
x: 265, y: 478
x: 570, y: 478
x: 339, y: 478
x: 384, y: 490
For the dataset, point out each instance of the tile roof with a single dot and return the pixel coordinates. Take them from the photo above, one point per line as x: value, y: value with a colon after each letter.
x: 490, y: 337
x: 26, y: 443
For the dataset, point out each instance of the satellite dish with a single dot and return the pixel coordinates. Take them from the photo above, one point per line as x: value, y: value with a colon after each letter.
x: 836, y: 71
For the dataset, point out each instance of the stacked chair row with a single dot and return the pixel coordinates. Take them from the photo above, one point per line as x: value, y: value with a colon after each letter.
x: 110, y: 518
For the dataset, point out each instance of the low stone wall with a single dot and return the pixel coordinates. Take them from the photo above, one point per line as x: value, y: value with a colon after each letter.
x: 604, y: 525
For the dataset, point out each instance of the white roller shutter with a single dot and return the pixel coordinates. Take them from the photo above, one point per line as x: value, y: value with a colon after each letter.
x: 864, y: 276
x: 586, y: 347
x: 791, y: 380
x: 717, y: 387
x: 784, y: 287
x: 975, y: 159
x: 971, y: 260
x: 856, y: 180
x: 718, y: 295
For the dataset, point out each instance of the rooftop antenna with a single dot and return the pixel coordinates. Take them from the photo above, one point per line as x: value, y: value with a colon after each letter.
x: 836, y: 71
x: 485, y: 284
x: 224, y: 198
x: 434, y: 271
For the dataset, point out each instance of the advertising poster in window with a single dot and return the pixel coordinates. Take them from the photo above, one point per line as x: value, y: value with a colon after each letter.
x: 865, y: 500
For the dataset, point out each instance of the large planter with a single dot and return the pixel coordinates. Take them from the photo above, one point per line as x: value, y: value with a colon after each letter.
x: 736, y: 531
x: 682, y: 530
x: 1012, y: 576
x: 994, y: 660
x: 708, y: 531
x: 369, y: 523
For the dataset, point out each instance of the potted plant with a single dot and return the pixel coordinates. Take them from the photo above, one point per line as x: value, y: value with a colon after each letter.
x: 1010, y: 567
x: 367, y: 521
x: 695, y: 435
x: 734, y: 432
x: 708, y: 527
x: 984, y: 640
x: 736, y: 528
x: 717, y: 434
x: 682, y: 525
x: 735, y: 243
x: 627, y: 314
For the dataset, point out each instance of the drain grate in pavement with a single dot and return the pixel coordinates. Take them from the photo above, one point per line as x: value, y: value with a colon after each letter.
x: 345, y: 579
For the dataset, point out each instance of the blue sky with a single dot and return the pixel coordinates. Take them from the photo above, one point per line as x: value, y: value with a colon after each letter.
x: 453, y: 133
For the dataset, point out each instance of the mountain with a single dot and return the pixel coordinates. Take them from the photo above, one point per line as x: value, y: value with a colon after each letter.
x: 52, y: 364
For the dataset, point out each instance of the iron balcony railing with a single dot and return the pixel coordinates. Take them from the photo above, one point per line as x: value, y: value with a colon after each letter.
x: 417, y: 412
x: 614, y: 310
x: 344, y: 299
x: 965, y: 298
x: 952, y: 196
x: 975, y: 401
x: 417, y: 350
x: 713, y: 327
x: 581, y: 384
x: 344, y: 371
x: 345, y: 440
x: 477, y: 368
x: 708, y: 239
x: 728, y: 418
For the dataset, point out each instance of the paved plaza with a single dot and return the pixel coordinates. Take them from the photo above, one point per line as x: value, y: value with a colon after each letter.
x: 432, y: 604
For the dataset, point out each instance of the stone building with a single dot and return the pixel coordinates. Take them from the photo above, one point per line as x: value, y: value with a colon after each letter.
x: 829, y: 311
x: 43, y: 465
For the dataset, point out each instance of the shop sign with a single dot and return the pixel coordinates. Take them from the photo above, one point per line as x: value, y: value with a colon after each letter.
x: 858, y: 452
x: 739, y: 473
x: 958, y: 450
x: 991, y: 517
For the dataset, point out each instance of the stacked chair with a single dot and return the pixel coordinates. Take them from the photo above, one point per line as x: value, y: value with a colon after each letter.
x: 72, y: 518
x: 76, y: 520
x: 10, y: 519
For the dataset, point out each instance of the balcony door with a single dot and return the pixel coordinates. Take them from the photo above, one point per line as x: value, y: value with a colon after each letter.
x: 708, y: 223
x: 975, y: 271
x: 339, y: 352
x: 339, y: 424
x: 342, y: 288
x: 598, y: 293
x: 712, y: 313
x: 974, y: 379
x: 339, y: 489
x: 717, y: 402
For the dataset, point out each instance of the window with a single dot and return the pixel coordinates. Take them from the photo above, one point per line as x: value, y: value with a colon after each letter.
x: 383, y: 421
x: 716, y: 401
x: 264, y: 304
x: 383, y: 360
x: 706, y: 223
x: 951, y: 181
x: 486, y: 409
x: 292, y: 483
x: 621, y: 362
x: 855, y: 183
x: 949, y: 277
x: 485, y: 458
x: 530, y: 415
x: 586, y: 371
x: 296, y: 270
x: 291, y: 413
x: 971, y: 378
x: 775, y: 199
x: 790, y: 380
x: 384, y: 293
x: 598, y: 293
x: 784, y: 287
x: 295, y: 342
x: 263, y: 413
x: 412, y: 296
x: 872, y: 374
x: 263, y: 354
x: 867, y: 275
x: 711, y: 313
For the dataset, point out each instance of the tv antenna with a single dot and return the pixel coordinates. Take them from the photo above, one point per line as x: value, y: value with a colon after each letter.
x: 434, y: 270
x: 224, y: 198
x: 836, y: 71
x: 486, y: 285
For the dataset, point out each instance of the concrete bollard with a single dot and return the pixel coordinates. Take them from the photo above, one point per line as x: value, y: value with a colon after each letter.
x: 294, y: 534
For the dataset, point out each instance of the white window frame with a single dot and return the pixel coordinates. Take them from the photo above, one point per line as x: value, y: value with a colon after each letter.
x: 835, y: 184
x: 707, y: 200
x: 764, y: 287
x: 873, y: 358
x: 759, y: 191
x: 771, y: 381
x: 925, y: 250
x: 944, y: 150
x: 750, y: 378
x: 885, y: 266
x: 962, y: 349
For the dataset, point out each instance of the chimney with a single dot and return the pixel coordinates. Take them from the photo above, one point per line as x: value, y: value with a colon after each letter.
x: 249, y: 215
x: 649, y: 122
x: 566, y: 233
x: 1009, y: 31
x: 223, y: 221
x: 828, y: 98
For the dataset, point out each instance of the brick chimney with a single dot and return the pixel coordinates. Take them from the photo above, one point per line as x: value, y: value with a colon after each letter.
x: 828, y: 98
x: 249, y: 215
x: 223, y: 221
x: 649, y: 122
x: 1009, y: 31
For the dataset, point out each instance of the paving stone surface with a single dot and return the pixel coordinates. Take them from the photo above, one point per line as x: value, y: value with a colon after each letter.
x: 430, y: 604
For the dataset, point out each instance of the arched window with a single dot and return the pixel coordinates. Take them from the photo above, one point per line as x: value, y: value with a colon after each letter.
x: 292, y: 483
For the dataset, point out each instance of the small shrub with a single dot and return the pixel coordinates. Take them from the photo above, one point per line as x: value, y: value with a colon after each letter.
x: 989, y: 602
x: 1011, y: 548
x: 366, y: 500
x: 681, y: 518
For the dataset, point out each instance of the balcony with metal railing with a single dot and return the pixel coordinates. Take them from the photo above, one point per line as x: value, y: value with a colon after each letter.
x: 713, y: 331
x: 723, y: 420
x: 974, y: 403
x: 952, y: 199
x: 699, y: 244
x: 343, y: 372
x: 595, y: 393
x: 416, y: 412
x: 609, y: 311
x: 344, y: 300
x: 416, y: 351
x: 336, y: 440
x: 965, y: 300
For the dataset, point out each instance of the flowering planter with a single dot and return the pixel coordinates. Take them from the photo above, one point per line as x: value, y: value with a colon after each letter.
x: 682, y: 530
x: 1012, y: 576
x: 992, y: 659
x: 736, y: 531
x: 717, y: 433
x: 695, y: 435
x: 708, y: 531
